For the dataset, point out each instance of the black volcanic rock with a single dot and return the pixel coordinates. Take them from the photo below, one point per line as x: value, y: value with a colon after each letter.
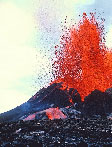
x: 50, y: 97
x: 75, y: 95
x: 57, y: 133
x: 97, y: 103
x: 109, y: 91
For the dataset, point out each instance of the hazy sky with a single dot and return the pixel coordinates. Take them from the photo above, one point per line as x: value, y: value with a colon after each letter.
x: 29, y: 30
x: 17, y: 52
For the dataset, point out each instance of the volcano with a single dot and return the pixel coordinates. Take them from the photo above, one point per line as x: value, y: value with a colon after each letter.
x: 76, y: 108
x: 82, y: 69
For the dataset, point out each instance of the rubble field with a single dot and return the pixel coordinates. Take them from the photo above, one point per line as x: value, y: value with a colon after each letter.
x: 90, y: 132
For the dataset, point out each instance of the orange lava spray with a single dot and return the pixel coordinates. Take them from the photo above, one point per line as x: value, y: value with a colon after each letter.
x: 82, y: 60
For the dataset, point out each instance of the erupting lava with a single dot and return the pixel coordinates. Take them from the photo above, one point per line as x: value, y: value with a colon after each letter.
x: 82, y: 60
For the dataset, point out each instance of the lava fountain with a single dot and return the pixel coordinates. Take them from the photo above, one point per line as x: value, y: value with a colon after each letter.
x: 82, y: 60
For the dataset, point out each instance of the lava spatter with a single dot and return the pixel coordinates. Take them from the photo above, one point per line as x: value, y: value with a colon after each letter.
x: 82, y: 59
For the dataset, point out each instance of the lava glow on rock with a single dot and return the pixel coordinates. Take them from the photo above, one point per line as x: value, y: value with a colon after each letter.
x: 55, y: 113
x: 52, y: 113
x: 82, y: 60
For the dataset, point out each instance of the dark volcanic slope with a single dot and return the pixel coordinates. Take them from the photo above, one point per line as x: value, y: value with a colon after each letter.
x: 52, y: 96
x: 55, y: 133
x: 98, y: 103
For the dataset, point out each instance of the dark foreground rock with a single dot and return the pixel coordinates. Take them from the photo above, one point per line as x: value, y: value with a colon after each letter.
x: 54, y: 133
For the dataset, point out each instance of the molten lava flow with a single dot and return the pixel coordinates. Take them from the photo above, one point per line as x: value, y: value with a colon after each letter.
x: 52, y: 113
x: 55, y: 113
x: 83, y: 61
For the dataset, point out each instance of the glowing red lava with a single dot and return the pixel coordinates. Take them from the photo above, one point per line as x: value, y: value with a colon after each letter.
x: 82, y: 60
x: 55, y: 113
